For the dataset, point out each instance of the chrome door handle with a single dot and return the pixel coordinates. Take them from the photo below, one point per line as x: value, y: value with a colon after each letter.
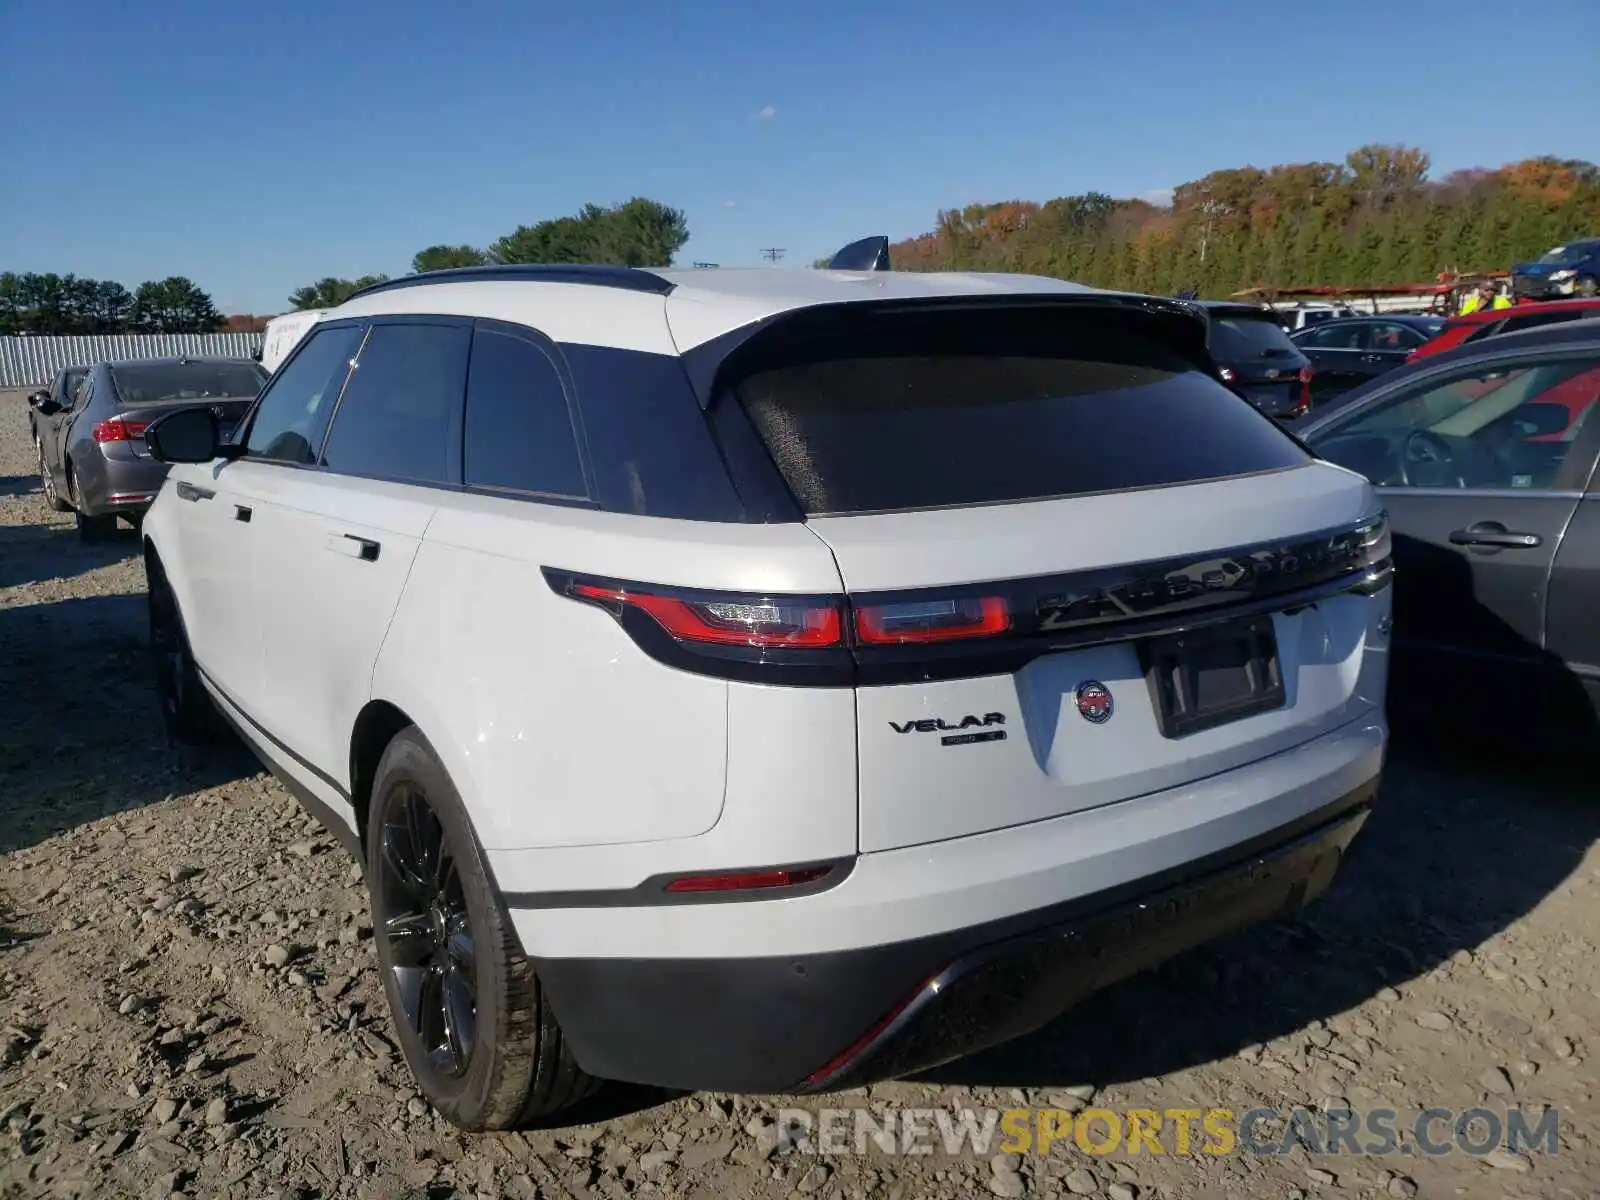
x: 1492, y: 533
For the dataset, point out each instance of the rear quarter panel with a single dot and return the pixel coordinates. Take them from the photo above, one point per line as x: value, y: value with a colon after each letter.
x: 556, y: 728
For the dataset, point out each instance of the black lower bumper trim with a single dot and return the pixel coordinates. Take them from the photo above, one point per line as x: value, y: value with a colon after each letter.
x: 827, y: 1020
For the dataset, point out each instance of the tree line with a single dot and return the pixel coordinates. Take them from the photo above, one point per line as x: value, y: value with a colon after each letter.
x: 51, y: 304
x: 638, y: 233
x: 1376, y: 219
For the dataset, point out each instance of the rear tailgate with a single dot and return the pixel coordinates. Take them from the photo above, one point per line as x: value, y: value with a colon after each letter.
x: 1010, y: 499
x: 1060, y: 752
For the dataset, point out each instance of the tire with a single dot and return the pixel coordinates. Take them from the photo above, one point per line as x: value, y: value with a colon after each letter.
x: 92, y: 530
x: 445, y: 940
x: 1587, y: 287
x: 56, y: 503
x: 186, y: 708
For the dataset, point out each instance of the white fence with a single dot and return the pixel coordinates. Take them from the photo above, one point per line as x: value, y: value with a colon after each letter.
x: 34, y: 361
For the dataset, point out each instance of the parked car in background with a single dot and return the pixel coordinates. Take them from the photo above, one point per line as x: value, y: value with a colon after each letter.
x: 1459, y: 331
x: 1345, y: 354
x: 60, y: 392
x: 1572, y: 269
x: 1300, y: 316
x: 93, y: 458
x: 1256, y: 358
x: 283, y: 333
x: 1485, y: 459
x: 754, y: 680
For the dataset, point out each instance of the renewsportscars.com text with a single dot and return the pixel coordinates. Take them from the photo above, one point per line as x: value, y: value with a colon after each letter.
x: 1177, y: 1132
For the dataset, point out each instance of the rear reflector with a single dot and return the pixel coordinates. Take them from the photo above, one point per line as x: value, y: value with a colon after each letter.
x: 932, y: 621
x: 730, y: 623
x: 119, y: 431
x: 748, y: 881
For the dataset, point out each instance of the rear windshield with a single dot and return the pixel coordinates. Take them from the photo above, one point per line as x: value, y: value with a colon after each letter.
x: 1237, y: 336
x: 897, y: 411
x: 165, y: 383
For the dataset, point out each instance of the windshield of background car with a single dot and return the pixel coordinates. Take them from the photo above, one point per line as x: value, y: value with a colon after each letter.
x: 1574, y: 252
x: 914, y: 410
x: 168, y: 383
x: 1241, y: 337
x: 1459, y: 408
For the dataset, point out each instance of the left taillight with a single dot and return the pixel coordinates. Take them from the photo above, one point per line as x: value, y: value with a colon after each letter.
x: 734, y: 621
x: 118, y: 430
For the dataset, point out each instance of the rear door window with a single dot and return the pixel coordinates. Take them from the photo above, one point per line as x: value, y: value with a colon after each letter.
x: 400, y: 413
x: 519, y: 434
x: 879, y: 412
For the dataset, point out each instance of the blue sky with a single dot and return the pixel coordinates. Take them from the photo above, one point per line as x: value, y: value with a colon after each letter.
x: 258, y: 146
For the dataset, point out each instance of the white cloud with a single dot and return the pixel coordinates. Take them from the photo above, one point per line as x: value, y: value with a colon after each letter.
x: 766, y: 113
x: 730, y: 204
x: 1161, y: 197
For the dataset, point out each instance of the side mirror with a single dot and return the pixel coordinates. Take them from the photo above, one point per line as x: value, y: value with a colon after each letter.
x: 255, y: 355
x: 38, y: 398
x: 189, y: 435
x: 46, y: 406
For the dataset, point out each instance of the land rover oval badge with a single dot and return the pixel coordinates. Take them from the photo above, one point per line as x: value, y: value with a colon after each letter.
x: 1094, y: 702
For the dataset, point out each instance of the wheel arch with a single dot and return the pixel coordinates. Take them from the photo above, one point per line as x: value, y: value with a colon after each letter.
x: 375, y: 727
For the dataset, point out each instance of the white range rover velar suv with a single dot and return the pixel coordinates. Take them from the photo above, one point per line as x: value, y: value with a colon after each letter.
x: 772, y: 680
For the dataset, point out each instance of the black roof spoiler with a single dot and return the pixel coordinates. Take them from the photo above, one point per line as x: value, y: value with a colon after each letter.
x: 868, y: 254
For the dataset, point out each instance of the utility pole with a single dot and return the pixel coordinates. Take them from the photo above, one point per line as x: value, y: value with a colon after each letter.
x: 773, y: 253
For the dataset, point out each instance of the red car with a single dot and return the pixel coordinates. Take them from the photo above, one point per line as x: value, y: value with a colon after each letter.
x: 1460, y: 330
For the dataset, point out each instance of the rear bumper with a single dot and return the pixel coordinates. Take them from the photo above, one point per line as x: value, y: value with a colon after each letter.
x: 119, y: 485
x: 797, y: 1019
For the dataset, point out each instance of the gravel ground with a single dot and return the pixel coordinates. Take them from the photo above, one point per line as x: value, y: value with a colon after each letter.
x: 188, y: 1002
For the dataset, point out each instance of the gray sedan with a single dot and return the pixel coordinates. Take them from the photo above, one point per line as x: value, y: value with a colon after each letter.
x: 92, y: 453
x: 1485, y: 457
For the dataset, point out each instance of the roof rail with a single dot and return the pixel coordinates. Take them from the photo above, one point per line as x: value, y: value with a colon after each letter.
x: 868, y: 254
x: 631, y: 279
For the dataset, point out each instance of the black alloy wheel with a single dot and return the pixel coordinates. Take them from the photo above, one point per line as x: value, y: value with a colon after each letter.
x: 186, y: 710
x: 433, y: 962
x: 472, y: 1021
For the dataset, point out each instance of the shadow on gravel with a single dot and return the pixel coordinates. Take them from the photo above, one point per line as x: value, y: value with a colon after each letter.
x: 18, y: 485
x: 36, y: 553
x: 1457, y: 849
x: 80, y: 733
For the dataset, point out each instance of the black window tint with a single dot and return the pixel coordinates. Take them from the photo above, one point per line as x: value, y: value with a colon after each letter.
x: 883, y: 411
x: 294, y: 410
x: 519, y: 429
x: 399, y: 411
x: 1237, y: 336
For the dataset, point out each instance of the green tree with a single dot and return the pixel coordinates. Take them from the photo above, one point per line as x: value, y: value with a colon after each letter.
x: 639, y: 233
x: 110, y: 307
x: 174, y: 305
x: 331, y: 291
x: 439, y: 258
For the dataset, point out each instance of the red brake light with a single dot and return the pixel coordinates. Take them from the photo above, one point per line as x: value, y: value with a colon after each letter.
x: 932, y: 621
x: 748, y: 881
x: 116, y: 430
x: 730, y: 623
